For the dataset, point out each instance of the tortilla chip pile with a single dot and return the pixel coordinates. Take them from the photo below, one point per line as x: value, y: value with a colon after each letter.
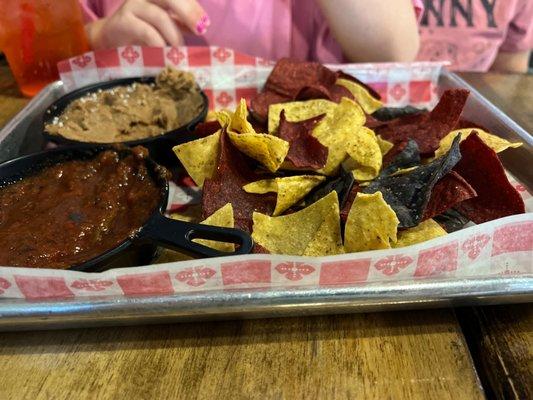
x: 319, y: 167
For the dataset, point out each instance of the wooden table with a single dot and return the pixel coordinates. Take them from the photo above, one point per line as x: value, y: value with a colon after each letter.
x: 437, y: 354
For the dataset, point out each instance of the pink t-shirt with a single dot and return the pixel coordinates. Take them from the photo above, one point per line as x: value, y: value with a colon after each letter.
x: 470, y: 33
x: 265, y: 28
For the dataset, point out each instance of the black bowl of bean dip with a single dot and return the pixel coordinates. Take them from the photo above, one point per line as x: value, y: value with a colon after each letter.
x: 155, y: 112
x: 92, y: 208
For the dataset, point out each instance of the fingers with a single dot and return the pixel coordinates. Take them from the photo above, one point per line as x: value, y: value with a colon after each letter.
x: 159, y: 19
x: 188, y: 12
x: 145, y: 34
x: 123, y: 30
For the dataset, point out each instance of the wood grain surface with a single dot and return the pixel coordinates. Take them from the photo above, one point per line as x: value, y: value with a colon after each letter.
x: 416, y: 354
x: 512, y: 93
x: 11, y: 101
x: 500, y: 338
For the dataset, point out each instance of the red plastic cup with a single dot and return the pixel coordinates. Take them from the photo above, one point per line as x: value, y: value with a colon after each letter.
x: 35, y: 35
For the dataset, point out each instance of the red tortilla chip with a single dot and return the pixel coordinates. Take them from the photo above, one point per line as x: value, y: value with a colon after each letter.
x: 450, y: 107
x: 349, y: 201
x: 482, y: 169
x: 289, y: 76
x: 427, y: 129
x: 313, y: 92
x: 233, y: 172
x: 400, y: 130
x: 204, y: 129
x: 337, y: 92
x: 259, y: 127
x: 260, y: 103
x: 447, y: 193
x: 296, y: 80
x: 258, y: 249
x: 334, y: 93
x: 305, y: 150
x: 392, y: 153
x: 465, y: 124
x: 373, y: 123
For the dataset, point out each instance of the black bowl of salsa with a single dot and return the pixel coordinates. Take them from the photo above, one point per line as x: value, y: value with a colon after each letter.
x: 160, y: 145
x: 92, y: 208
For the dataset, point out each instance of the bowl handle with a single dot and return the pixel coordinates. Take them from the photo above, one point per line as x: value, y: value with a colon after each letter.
x: 179, y: 235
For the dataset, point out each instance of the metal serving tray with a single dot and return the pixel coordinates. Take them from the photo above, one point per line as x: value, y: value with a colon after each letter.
x: 21, y: 136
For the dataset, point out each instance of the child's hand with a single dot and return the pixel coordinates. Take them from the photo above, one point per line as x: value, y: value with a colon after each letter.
x: 148, y: 23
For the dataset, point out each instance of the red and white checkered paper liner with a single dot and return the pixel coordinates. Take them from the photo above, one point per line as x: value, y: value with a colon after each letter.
x: 502, y: 247
x: 227, y: 76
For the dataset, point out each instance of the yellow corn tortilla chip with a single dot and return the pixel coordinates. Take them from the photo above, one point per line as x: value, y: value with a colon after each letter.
x: 224, y: 118
x: 222, y: 217
x: 263, y: 186
x: 239, y: 120
x: 199, y: 157
x: 211, y: 116
x: 313, y: 231
x: 402, y: 171
x: 364, y: 155
x: 336, y: 129
x: 496, y: 143
x: 269, y: 150
x: 298, y: 111
x: 290, y: 189
x: 371, y: 224
x: 424, y: 231
x: 384, y: 145
x: 168, y: 256
x: 192, y: 213
x: 362, y: 95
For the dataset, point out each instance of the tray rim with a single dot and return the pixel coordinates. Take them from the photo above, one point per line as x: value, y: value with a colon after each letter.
x: 32, y: 104
x: 18, y: 314
x: 261, y: 303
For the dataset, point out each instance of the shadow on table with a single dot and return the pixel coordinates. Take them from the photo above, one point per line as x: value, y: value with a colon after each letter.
x: 232, y: 333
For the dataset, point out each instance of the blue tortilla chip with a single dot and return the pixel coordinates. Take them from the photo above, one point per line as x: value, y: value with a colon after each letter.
x: 342, y: 185
x: 408, y: 194
x: 409, y: 156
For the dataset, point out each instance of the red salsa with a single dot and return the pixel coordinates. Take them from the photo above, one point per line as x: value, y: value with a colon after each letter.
x: 71, y: 212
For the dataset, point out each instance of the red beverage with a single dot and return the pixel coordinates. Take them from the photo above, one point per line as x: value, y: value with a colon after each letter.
x: 35, y: 35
